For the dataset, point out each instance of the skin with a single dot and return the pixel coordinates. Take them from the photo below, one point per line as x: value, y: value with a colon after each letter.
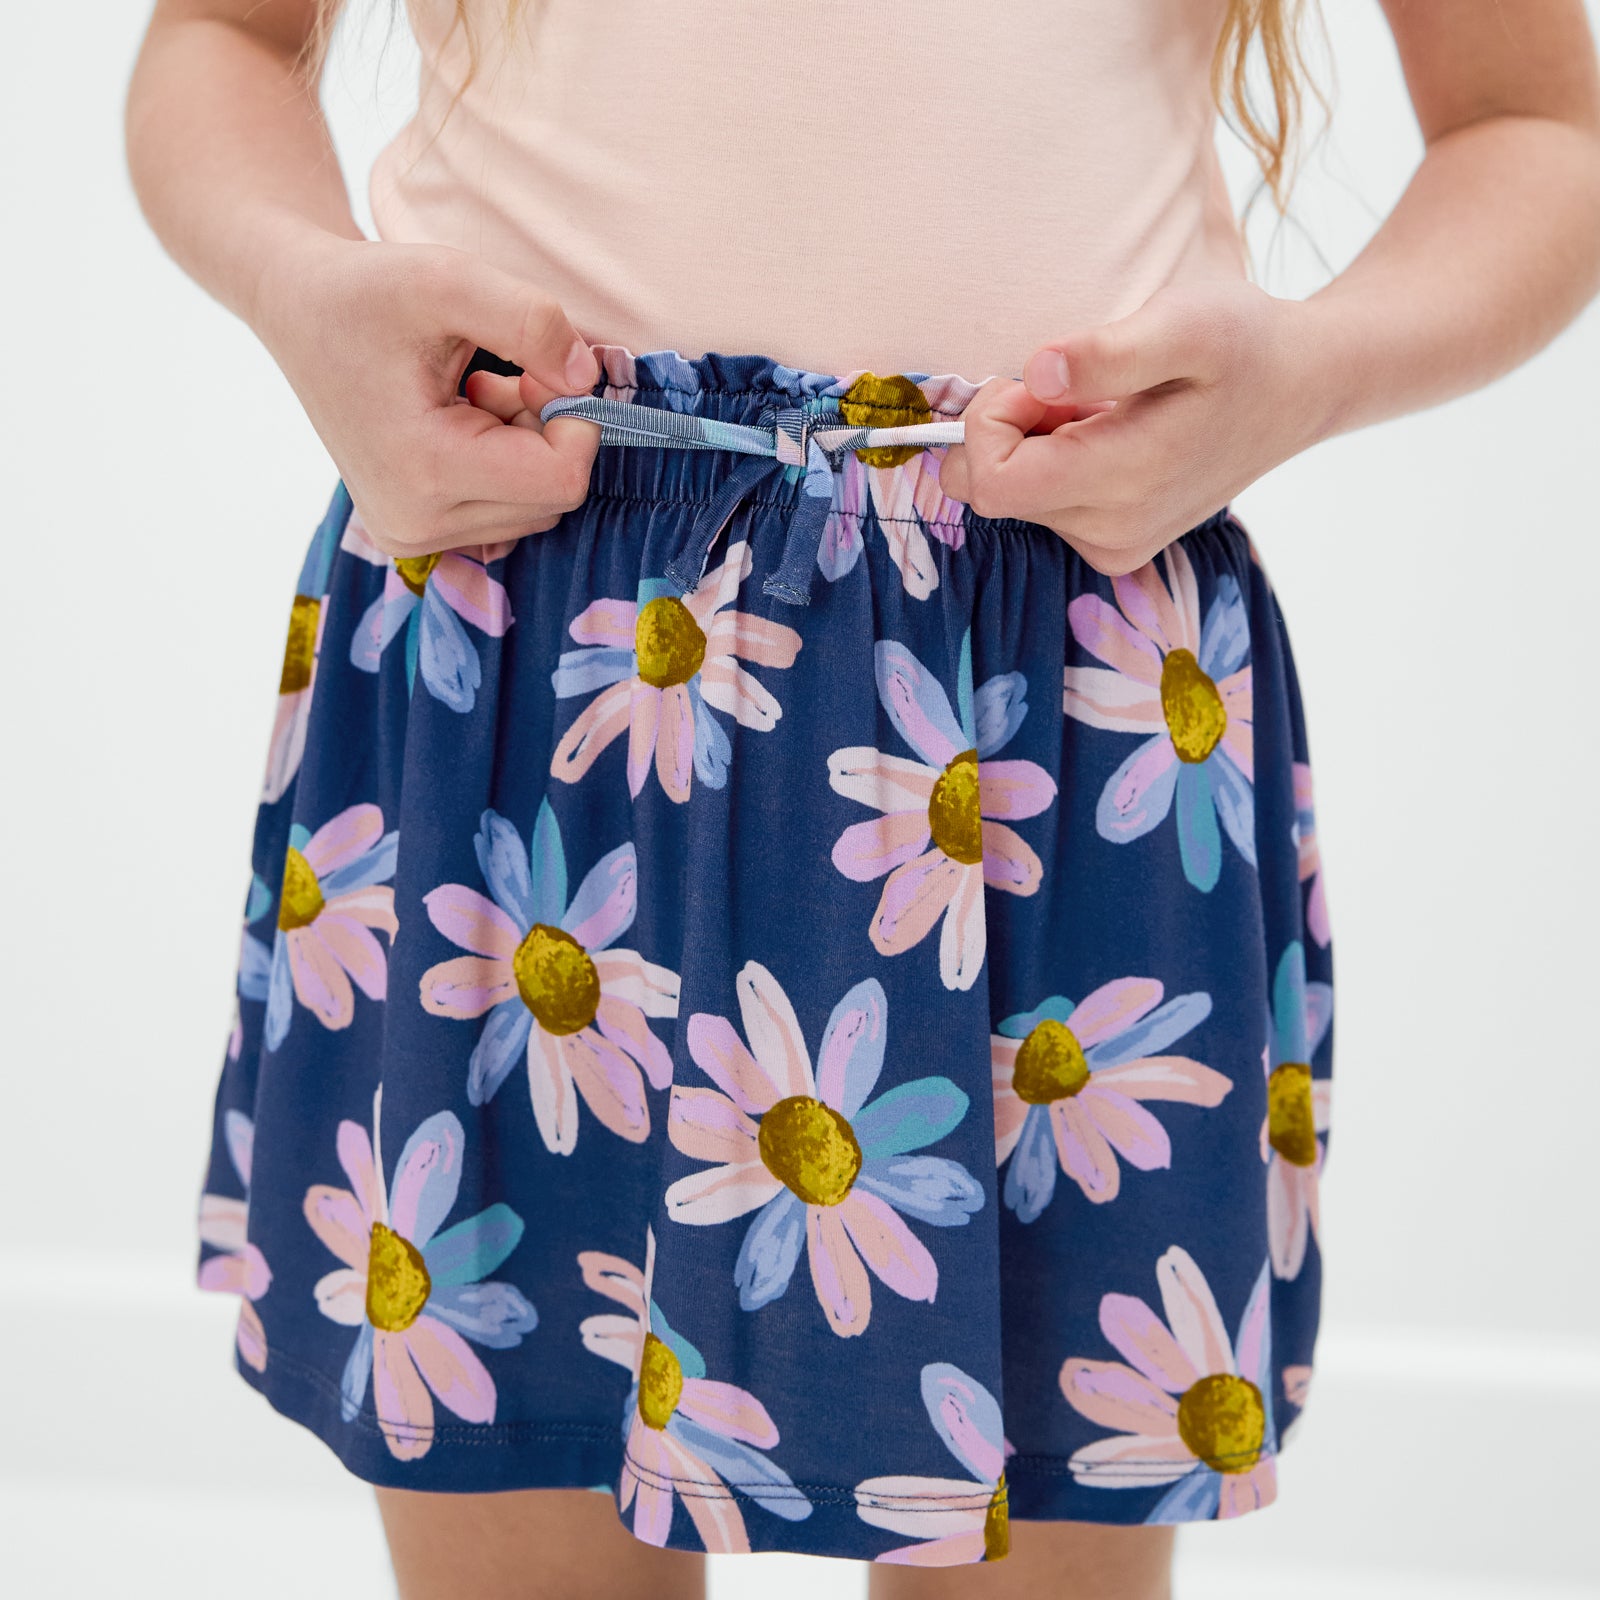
x: 1120, y: 438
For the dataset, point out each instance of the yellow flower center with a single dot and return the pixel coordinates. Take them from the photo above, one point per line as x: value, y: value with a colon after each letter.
x: 1050, y: 1065
x: 300, y: 648
x: 874, y: 402
x: 1291, y: 1127
x: 660, y: 1382
x: 1222, y: 1420
x: 300, y: 901
x: 953, y: 815
x: 668, y: 642
x: 811, y: 1149
x: 1192, y: 706
x: 416, y: 570
x: 398, y: 1284
x: 997, y: 1524
x: 556, y: 979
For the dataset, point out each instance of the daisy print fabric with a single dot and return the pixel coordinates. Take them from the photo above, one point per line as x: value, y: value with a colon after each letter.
x: 713, y: 1022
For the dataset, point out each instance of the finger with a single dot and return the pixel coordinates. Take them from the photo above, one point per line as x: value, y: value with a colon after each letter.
x: 498, y: 395
x: 540, y: 469
x: 1168, y: 338
x: 511, y: 318
x: 535, y: 396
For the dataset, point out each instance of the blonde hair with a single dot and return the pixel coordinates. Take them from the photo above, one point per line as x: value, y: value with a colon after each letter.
x: 1274, y: 25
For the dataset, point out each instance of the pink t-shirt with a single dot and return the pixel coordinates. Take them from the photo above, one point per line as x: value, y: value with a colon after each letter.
x: 903, y: 185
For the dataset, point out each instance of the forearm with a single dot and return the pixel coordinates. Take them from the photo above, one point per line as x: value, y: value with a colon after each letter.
x: 229, y: 154
x: 1493, y: 249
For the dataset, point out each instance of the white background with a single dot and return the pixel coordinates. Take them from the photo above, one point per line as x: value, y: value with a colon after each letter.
x: 1439, y: 575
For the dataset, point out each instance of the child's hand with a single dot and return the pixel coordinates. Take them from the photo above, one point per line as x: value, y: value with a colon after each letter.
x: 1123, y: 437
x: 374, y: 337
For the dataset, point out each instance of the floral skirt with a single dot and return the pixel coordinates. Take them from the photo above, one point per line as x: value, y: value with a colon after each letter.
x: 836, y: 1063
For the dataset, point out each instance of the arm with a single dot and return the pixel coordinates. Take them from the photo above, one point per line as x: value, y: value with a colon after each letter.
x: 232, y: 163
x: 1491, y: 251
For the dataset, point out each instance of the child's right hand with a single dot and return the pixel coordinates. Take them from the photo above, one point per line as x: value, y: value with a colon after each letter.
x: 373, y: 338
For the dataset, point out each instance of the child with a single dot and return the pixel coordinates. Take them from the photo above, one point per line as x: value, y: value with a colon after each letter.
x: 786, y: 977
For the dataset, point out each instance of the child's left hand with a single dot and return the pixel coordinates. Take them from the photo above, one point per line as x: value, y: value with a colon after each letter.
x: 1125, y: 436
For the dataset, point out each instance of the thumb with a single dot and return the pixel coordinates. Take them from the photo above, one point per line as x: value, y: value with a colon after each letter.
x: 511, y: 318
x: 1163, y: 340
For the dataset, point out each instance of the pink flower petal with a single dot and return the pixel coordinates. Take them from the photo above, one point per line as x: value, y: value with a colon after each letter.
x: 752, y: 638
x: 727, y: 1410
x: 1099, y: 698
x: 720, y: 1053
x: 1248, y: 1491
x: 626, y: 976
x: 718, y: 1194
x: 675, y: 743
x: 373, y: 907
x: 341, y: 1296
x: 964, y: 938
x: 720, y: 587
x: 886, y: 783
x: 1132, y: 1461
x: 342, y: 839
x: 954, y: 1550
x: 404, y: 1406
x: 597, y: 725
x: 613, y: 1277
x: 320, y: 983
x: 644, y: 727
x: 434, y: 1164
x: 223, y: 1222
x: 472, y: 594
x: 237, y: 1272
x: 449, y: 1367
x: 1012, y: 790
x: 609, y: 1081
x: 727, y: 686
x: 251, y: 1337
x: 554, y: 1095
x: 1185, y: 630
x: 354, y: 1150
x: 337, y: 1220
x: 646, y: 1464
x: 625, y: 1026
x: 613, y: 1338
x: 1145, y: 602
x: 889, y: 1247
x: 711, y: 1507
x: 1238, y: 741
x: 1105, y: 634
x: 1166, y: 1078
x: 1009, y: 861
x: 473, y: 921
x: 773, y: 1031
x: 867, y: 850
x: 1113, y: 1008
x: 1192, y: 1312
x: 844, y: 1290
x: 927, y: 1508
x: 608, y: 622
x: 1131, y: 1131
x: 1085, y: 1155
x: 1288, y: 1216
x: 1140, y: 1337
x: 1009, y: 1115
x: 914, y: 898
x: 902, y: 532
x: 705, y: 1125
x: 356, y: 951
x: 1115, y: 1396
x: 466, y: 987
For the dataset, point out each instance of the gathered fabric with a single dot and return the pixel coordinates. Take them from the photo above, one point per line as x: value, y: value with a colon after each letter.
x: 782, y: 1000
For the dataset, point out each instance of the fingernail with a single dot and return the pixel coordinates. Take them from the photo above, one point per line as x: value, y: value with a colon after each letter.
x: 1046, y: 374
x: 581, y: 369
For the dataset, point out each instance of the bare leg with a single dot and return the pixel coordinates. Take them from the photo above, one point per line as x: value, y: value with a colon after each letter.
x: 528, y: 1544
x: 1048, y: 1561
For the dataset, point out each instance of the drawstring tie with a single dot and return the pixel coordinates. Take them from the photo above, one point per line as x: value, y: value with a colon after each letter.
x: 787, y: 441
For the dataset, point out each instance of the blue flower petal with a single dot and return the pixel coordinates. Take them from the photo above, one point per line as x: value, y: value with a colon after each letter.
x: 690, y: 1359
x: 1119, y: 825
x: 712, y: 749
x: 597, y: 890
x: 944, y: 1385
x: 255, y: 968
x: 495, y: 1315
x: 240, y: 1134
x: 1199, y: 841
x: 1289, y: 1006
x: 1152, y: 1033
x: 909, y: 1116
x: 547, y: 860
x: 259, y: 900
x: 860, y: 1024
x: 441, y: 1176
x: 998, y: 711
x: 357, y: 1369
x: 929, y: 1188
x: 591, y: 668
x: 471, y: 1250
x: 448, y: 658
x: 772, y: 1245
x: 1319, y: 1016
x: 1056, y: 1009
x: 1225, y: 634
x: 299, y: 837
x: 1236, y: 802
x: 500, y: 1046
x: 917, y: 704
x: 1193, y: 1498
x: 969, y: 726
x: 374, y: 865
x: 504, y: 865
x: 743, y: 1468
x: 280, y: 995
x: 376, y: 630
x: 1031, y: 1177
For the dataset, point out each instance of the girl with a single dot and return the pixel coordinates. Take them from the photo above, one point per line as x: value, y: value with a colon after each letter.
x: 786, y: 977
